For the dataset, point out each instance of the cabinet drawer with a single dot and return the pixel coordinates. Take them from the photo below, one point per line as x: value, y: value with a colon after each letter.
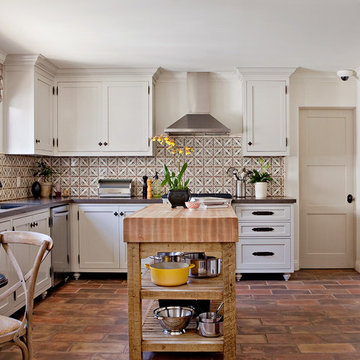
x: 263, y: 256
x: 264, y: 229
x: 263, y: 213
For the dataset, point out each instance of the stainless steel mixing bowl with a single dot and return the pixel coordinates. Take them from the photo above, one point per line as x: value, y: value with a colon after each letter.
x: 174, y: 319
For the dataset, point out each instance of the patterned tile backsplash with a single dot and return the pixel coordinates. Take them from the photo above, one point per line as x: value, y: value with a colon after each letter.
x: 206, y: 170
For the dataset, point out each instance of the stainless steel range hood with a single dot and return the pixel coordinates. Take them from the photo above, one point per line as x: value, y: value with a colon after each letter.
x: 198, y: 120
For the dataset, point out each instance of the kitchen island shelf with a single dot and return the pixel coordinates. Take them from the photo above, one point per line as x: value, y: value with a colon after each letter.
x: 155, y: 340
x: 195, y: 288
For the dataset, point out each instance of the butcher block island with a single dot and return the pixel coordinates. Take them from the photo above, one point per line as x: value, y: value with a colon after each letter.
x: 158, y: 228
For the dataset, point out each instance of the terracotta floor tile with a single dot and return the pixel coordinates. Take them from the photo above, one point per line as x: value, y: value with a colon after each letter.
x: 315, y: 309
x: 251, y: 339
x: 97, y: 347
x: 326, y: 348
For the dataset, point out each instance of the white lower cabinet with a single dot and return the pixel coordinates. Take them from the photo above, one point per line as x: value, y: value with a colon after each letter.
x: 25, y: 255
x: 266, y: 240
x: 5, y: 305
x: 100, y: 246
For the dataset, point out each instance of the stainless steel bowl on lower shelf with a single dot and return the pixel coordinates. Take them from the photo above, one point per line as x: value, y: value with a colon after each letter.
x: 174, y: 319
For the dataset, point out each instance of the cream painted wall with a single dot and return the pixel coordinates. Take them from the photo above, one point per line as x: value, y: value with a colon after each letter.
x: 311, y: 89
x: 2, y: 59
x: 171, y: 99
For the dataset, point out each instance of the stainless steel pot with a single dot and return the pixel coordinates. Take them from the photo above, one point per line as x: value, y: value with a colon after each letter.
x: 168, y: 257
x: 210, y: 324
x: 213, y: 266
x: 205, y: 266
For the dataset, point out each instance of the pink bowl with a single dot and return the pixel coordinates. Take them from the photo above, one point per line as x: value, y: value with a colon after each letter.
x: 192, y: 204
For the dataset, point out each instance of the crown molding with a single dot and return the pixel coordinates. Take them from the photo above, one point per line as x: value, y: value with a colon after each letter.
x: 254, y: 72
x: 40, y: 61
x: 109, y: 71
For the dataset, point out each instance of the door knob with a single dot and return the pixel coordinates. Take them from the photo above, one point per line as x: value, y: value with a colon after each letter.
x: 349, y: 198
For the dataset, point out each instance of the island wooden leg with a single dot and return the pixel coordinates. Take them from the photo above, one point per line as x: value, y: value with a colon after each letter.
x: 134, y: 301
x: 228, y: 262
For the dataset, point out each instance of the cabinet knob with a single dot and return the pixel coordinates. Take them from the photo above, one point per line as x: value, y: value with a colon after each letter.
x: 31, y: 225
x: 250, y: 143
x: 36, y: 224
x: 105, y: 143
x: 37, y: 141
x: 116, y: 213
x: 100, y: 143
x: 122, y: 214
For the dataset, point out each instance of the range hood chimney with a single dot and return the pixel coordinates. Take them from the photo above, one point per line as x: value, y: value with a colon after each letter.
x: 198, y: 120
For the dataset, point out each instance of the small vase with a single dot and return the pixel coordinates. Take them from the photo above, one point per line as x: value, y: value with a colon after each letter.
x: 260, y: 190
x: 178, y: 197
x: 36, y: 189
x: 46, y: 189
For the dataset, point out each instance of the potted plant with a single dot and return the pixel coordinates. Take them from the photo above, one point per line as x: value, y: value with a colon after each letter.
x: 45, y: 172
x: 260, y: 179
x: 179, y: 192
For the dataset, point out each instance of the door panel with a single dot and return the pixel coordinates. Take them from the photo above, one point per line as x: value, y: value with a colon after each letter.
x: 79, y: 116
x: 43, y: 113
x: 5, y: 268
x: 326, y: 178
x: 127, y: 116
x: 98, y: 237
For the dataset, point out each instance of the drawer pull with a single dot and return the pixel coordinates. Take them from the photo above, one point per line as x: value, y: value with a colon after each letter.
x: 263, y: 229
x: 263, y: 253
x: 261, y: 213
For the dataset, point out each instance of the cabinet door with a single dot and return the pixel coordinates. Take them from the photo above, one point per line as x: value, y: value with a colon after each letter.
x: 127, y: 117
x: 79, y: 115
x: 5, y: 269
x: 265, y: 118
x: 43, y: 280
x: 24, y: 256
x: 43, y: 114
x: 99, y: 237
x: 128, y: 210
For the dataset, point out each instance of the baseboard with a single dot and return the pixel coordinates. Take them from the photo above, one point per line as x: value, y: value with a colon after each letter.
x: 296, y: 265
x: 357, y: 266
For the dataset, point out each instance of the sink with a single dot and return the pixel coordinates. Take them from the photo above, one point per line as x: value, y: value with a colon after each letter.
x: 10, y: 206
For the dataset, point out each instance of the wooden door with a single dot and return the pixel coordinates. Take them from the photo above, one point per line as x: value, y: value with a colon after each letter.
x: 79, y: 116
x: 127, y: 117
x: 265, y: 114
x: 326, y: 178
x: 99, y: 237
x: 5, y: 269
x: 43, y: 115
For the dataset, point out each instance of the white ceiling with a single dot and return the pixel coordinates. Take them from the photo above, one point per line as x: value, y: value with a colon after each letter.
x: 185, y: 34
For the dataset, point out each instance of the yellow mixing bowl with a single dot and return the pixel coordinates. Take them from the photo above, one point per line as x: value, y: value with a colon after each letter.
x: 169, y: 273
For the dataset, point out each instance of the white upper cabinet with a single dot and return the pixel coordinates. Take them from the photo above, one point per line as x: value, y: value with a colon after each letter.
x: 28, y: 105
x: 265, y: 111
x: 79, y: 114
x: 127, y: 116
x: 110, y: 113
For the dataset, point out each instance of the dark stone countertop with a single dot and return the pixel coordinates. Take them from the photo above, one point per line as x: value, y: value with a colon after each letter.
x: 33, y: 205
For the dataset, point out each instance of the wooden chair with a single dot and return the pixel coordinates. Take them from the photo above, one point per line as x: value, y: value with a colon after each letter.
x: 13, y: 331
